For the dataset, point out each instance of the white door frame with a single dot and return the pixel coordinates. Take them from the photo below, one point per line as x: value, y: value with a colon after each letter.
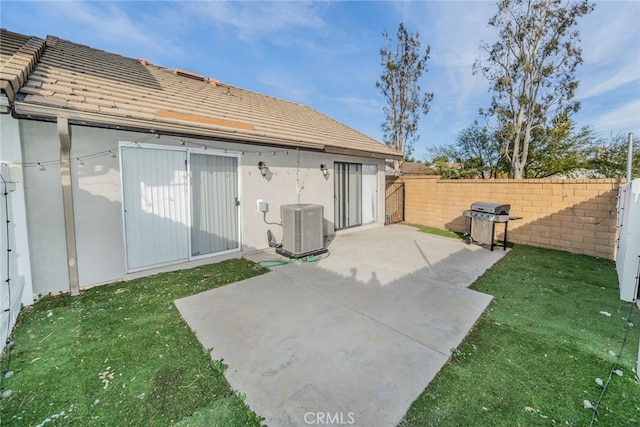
x: 187, y: 150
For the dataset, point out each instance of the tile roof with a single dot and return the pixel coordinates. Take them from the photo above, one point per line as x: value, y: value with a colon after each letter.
x: 56, y: 77
x: 415, y: 168
x: 18, y: 56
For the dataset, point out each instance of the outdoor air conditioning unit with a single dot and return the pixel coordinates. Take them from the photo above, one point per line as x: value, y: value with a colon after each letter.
x: 302, y: 226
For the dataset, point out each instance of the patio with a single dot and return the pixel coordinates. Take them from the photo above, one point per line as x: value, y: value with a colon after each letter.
x: 351, y: 339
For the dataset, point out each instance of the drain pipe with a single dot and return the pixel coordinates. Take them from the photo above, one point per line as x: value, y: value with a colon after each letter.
x: 67, y: 205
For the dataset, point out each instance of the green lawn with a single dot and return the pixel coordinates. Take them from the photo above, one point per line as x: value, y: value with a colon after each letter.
x: 121, y: 355
x: 534, y: 355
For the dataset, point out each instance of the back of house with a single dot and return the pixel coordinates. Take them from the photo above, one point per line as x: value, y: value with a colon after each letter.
x: 121, y: 168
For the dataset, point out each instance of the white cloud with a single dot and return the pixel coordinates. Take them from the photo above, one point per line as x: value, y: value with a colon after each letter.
x: 610, y: 48
x: 610, y: 34
x: 625, y: 118
x: 284, y: 86
x: 365, y: 106
x: 454, y: 30
x: 108, y: 23
x: 607, y: 80
x: 256, y: 18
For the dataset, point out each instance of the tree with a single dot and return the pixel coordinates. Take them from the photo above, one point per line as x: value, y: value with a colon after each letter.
x: 531, y: 69
x: 610, y: 158
x: 477, y: 146
x: 476, y: 154
x: 403, y: 63
x: 559, y: 149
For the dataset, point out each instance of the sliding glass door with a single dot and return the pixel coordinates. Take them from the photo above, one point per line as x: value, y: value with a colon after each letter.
x: 369, y: 193
x: 348, y: 195
x: 178, y: 204
x: 214, y: 200
x: 155, y: 202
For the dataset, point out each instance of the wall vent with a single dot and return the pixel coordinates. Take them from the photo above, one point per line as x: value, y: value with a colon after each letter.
x: 189, y: 74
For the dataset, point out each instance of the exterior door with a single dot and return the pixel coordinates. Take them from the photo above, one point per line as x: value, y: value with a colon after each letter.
x: 214, y: 204
x: 178, y: 204
x: 155, y: 203
x: 369, y: 193
x: 347, y: 195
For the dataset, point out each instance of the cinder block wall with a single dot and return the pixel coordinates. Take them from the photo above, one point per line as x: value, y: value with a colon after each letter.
x: 575, y: 215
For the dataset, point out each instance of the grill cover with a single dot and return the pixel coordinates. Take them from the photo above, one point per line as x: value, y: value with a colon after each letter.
x: 491, y: 208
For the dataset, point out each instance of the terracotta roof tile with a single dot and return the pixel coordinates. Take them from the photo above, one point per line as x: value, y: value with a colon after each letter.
x: 85, y: 80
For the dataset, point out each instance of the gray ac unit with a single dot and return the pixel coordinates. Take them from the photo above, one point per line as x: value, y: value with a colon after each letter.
x: 302, y: 226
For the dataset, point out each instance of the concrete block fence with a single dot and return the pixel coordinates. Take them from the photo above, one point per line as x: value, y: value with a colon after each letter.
x: 574, y: 215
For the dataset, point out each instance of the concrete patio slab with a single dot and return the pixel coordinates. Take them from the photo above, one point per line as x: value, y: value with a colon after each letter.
x: 352, y: 339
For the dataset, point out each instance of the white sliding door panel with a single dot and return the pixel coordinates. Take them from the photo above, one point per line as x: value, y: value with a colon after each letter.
x: 214, y: 204
x: 155, y: 199
x: 369, y: 193
x: 347, y: 195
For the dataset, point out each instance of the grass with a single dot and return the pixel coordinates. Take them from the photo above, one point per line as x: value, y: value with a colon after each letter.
x: 121, y: 354
x: 534, y: 355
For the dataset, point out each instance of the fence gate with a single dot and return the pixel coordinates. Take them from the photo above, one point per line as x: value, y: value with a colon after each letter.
x: 394, y: 201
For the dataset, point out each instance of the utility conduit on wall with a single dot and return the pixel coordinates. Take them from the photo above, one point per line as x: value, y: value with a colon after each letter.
x: 67, y: 203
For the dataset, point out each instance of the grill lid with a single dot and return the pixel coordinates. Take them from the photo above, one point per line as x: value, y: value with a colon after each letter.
x: 491, y: 208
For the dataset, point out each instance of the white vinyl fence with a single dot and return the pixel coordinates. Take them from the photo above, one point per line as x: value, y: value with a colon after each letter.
x: 628, y: 247
x: 15, y: 288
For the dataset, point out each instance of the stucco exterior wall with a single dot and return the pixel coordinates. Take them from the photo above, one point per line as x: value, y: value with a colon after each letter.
x: 294, y: 177
x: 43, y: 197
x: 287, y: 174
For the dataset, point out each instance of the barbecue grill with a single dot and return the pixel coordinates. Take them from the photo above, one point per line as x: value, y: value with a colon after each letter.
x: 483, y: 217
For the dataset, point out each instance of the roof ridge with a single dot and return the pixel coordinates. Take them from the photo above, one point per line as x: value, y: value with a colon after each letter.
x: 52, y: 41
x: 15, y: 71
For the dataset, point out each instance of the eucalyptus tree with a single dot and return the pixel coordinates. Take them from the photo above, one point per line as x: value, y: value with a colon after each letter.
x: 531, y: 69
x: 403, y: 63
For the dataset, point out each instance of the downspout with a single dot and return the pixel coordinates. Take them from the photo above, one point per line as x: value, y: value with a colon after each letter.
x: 67, y: 204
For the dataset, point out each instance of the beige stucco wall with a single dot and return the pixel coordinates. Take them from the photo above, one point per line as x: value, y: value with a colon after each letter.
x: 574, y: 215
x: 98, y: 199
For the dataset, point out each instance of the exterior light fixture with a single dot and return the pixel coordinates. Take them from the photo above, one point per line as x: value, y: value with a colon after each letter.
x: 324, y: 170
x: 263, y: 168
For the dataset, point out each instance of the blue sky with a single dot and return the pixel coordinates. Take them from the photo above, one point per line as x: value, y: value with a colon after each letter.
x: 326, y: 54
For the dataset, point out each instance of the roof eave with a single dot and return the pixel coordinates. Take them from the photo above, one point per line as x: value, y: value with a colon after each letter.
x: 26, y: 110
x: 391, y: 154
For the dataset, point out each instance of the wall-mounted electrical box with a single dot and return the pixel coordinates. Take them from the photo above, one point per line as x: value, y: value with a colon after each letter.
x: 263, y: 207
